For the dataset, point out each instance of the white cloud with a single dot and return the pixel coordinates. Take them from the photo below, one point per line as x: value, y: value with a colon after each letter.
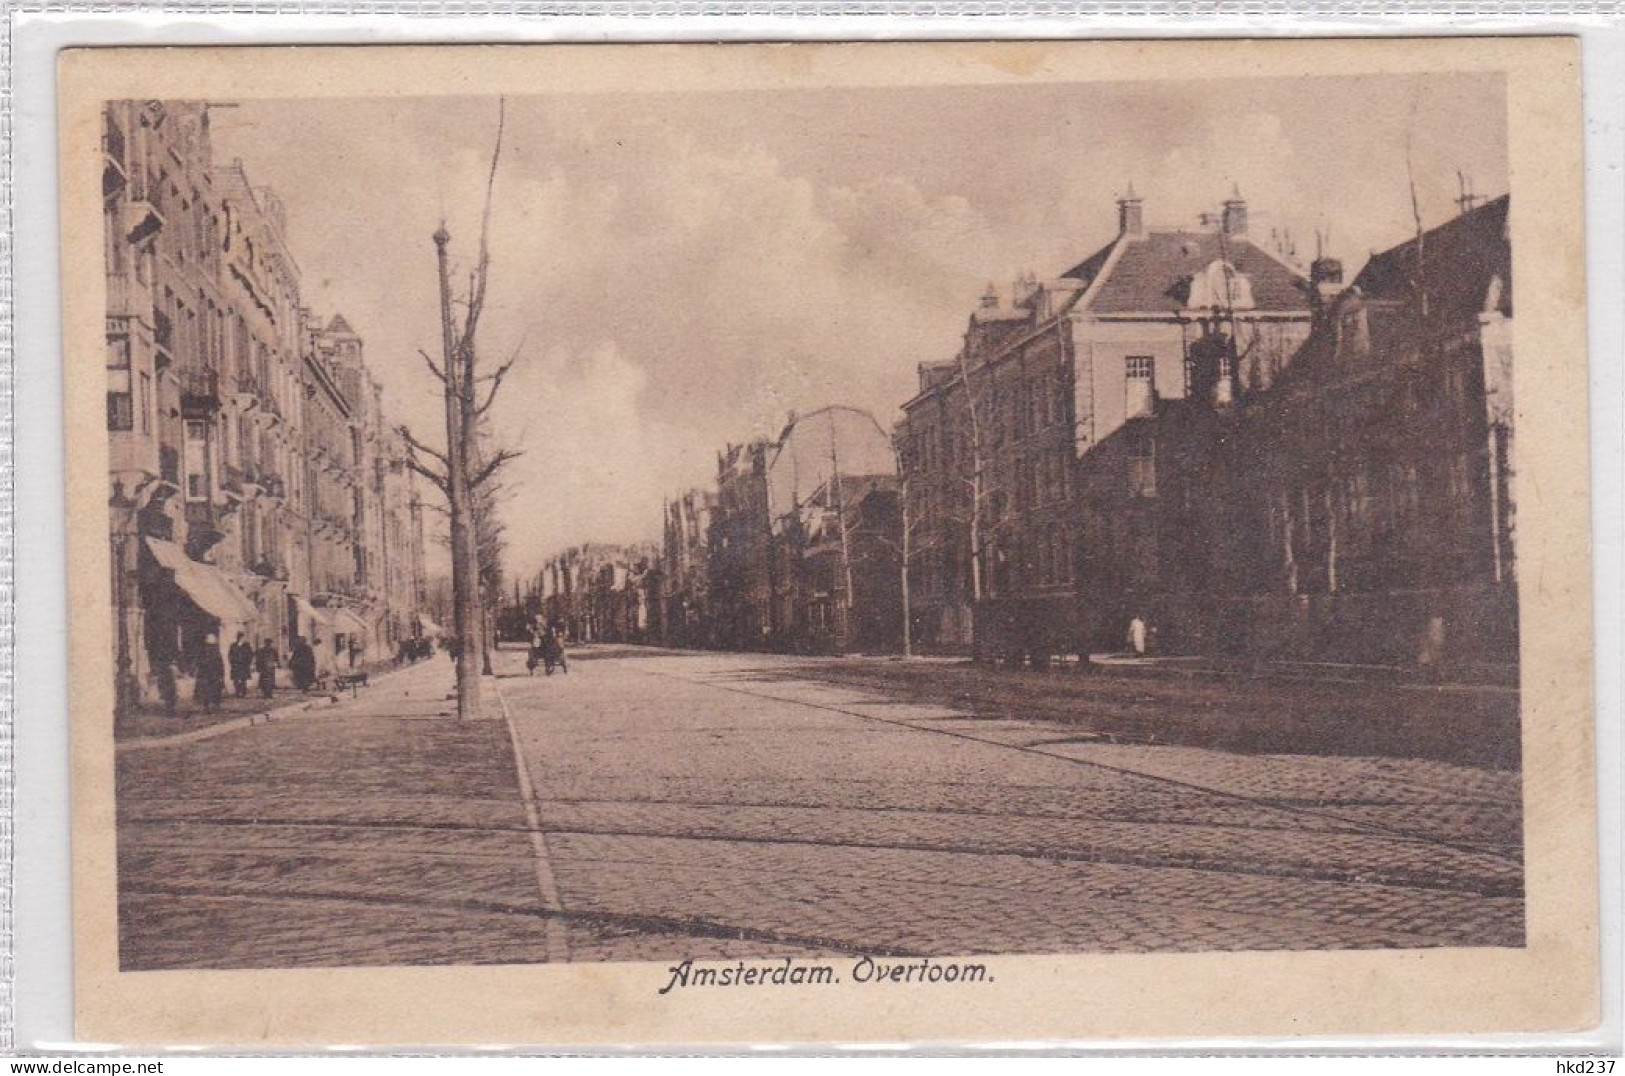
x: 683, y: 270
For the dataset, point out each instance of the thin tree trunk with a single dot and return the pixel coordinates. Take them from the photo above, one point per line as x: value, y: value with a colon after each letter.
x: 1331, y: 541
x: 976, y: 482
x: 908, y: 627
x: 464, y: 558
x: 839, y: 497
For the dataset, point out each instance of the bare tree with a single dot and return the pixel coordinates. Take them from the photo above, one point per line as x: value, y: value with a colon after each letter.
x: 977, y: 476
x: 463, y: 469
x: 491, y: 546
x: 907, y: 546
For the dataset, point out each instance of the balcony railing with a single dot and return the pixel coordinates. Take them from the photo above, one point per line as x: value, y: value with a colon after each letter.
x: 200, y: 392
x: 142, y: 219
x: 200, y: 514
x: 124, y: 295
x: 113, y: 138
x: 163, y: 330
x: 270, y: 567
x: 169, y: 464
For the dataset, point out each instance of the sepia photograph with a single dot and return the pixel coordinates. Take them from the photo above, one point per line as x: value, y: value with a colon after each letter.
x: 798, y: 535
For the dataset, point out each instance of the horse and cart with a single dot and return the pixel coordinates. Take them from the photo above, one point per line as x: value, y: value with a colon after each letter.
x: 547, y: 651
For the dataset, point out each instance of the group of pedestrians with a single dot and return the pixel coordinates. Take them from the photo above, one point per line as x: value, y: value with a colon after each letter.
x: 414, y: 649
x: 245, y: 662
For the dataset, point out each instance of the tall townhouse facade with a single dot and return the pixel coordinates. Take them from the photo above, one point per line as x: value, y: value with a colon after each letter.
x: 740, y: 546
x: 257, y: 429
x: 214, y: 407
x: 684, y: 563
x: 401, y: 555
x: 334, y: 464
x: 993, y: 442
x: 600, y: 592
x: 840, y: 569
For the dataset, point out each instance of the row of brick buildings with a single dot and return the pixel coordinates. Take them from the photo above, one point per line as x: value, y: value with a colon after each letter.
x: 256, y: 484
x: 787, y: 552
x: 761, y: 564
x: 1186, y: 442
x: 597, y: 592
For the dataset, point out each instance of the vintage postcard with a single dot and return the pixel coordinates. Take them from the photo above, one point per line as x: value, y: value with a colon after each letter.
x: 701, y: 544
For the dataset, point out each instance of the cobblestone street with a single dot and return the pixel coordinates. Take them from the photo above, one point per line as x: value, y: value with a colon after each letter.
x: 672, y: 805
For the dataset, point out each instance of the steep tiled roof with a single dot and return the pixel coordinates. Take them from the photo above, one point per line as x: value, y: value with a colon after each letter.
x: 1154, y: 270
x: 339, y: 325
x: 1090, y: 267
x: 1460, y: 258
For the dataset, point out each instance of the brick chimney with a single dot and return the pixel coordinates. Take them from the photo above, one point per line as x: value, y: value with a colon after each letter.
x: 1326, y: 275
x: 1234, y: 221
x: 1130, y: 214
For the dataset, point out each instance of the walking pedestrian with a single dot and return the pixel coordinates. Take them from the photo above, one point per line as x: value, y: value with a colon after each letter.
x: 1136, y: 637
x: 302, y: 663
x: 163, y: 673
x: 265, y: 663
x: 209, y: 689
x: 241, y: 659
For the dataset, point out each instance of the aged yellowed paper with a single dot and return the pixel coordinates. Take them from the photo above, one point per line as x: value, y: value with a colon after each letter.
x: 1185, y: 634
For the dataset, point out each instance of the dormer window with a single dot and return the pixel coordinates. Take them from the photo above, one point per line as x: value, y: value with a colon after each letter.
x: 1220, y: 287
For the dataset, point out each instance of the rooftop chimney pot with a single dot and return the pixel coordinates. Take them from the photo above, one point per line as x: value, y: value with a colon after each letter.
x: 1234, y: 220
x: 1130, y: 214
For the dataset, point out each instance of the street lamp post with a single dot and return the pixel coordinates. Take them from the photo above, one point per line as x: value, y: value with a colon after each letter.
x: 124, y: 688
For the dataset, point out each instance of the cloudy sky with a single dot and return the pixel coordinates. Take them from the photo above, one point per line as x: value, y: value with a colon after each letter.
x: 678, y: 271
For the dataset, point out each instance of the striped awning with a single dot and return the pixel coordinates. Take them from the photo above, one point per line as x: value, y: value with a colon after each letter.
x: 347, y: 622
x: 206, y: 585
x: 310, y: 611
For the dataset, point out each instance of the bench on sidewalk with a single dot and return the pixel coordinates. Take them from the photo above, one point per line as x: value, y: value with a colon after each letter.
x: 331, y: 683
x: 353, y: 681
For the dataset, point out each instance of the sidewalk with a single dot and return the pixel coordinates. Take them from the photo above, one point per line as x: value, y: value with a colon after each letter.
x: 374, y: 830
x: 1480, y: 676
x: 1344, y: 710
x: 388, y: 690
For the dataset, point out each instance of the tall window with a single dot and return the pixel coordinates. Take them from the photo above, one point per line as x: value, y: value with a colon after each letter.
x: 1142, y: 475
x: 197, y: 461
x: 118, y: 411
x: 1140, y: 379
x: 144, y: 403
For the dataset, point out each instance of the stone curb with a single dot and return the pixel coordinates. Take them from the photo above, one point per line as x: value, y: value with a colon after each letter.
x: 278, y: 713
x: 220, y: 729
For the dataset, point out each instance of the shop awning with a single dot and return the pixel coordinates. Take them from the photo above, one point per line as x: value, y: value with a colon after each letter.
x: 347, y: 622
x: 205, y: 584
x: 308, y: 610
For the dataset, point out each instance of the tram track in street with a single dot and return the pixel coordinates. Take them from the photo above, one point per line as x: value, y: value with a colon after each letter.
x: 1262, y: 803
x: 1366, y: 876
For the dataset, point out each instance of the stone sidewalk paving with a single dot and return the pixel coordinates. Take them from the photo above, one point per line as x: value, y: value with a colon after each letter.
x: 377, y: 830
x: 151, y: 729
